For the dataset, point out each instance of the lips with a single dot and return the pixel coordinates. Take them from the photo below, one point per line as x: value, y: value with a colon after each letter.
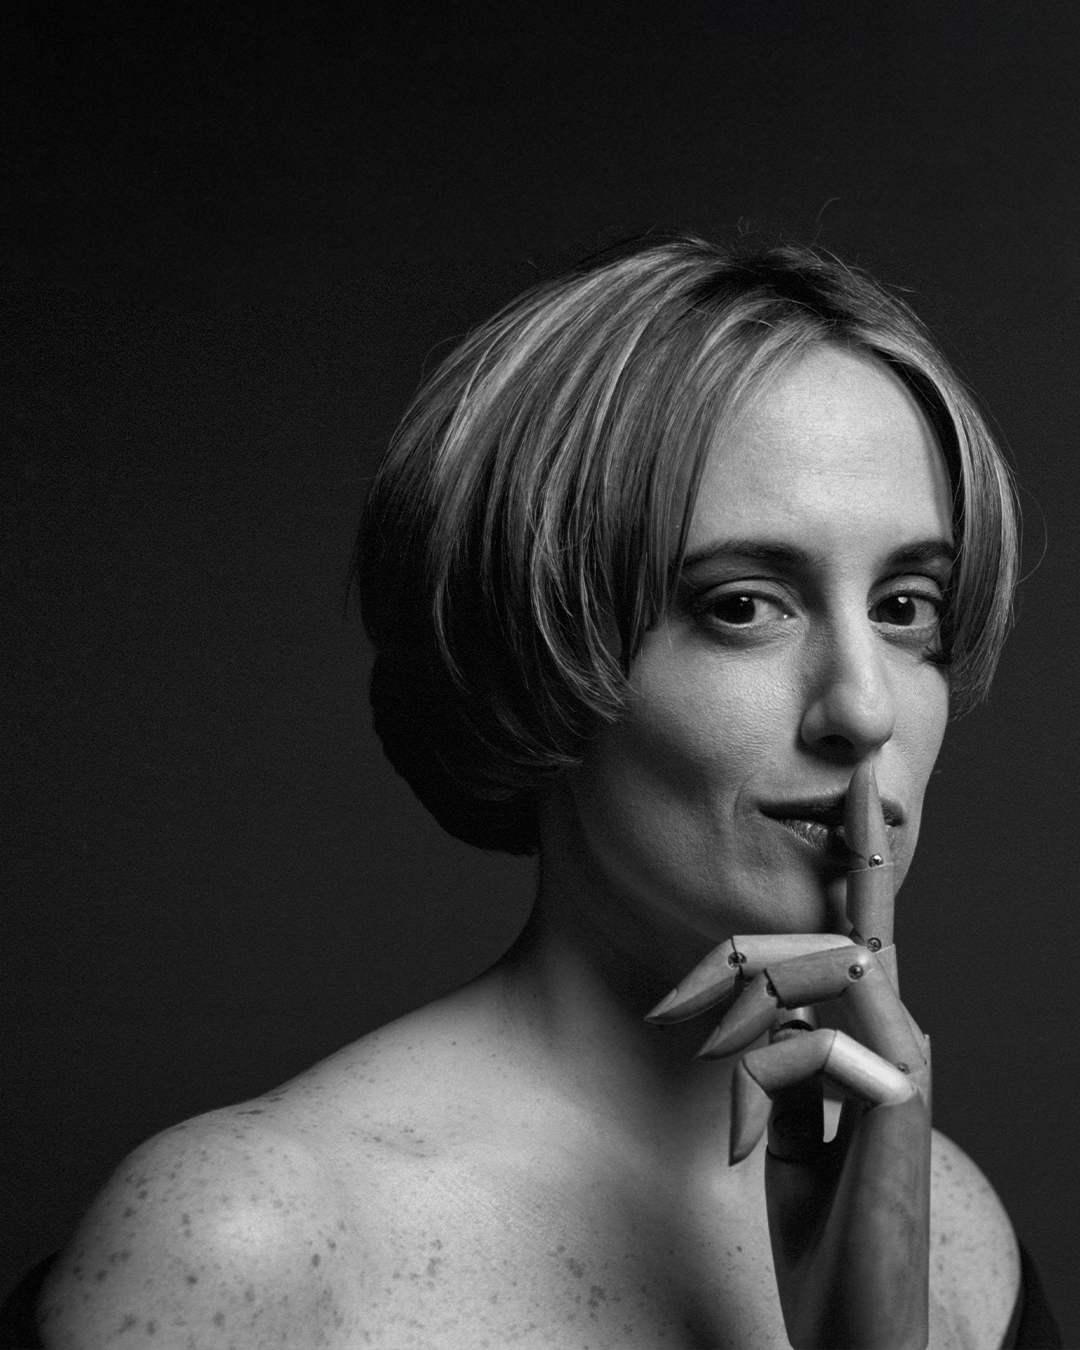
x: 819, y: 822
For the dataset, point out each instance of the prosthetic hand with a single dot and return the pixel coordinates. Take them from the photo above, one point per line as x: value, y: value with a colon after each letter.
x: 849, y: 1220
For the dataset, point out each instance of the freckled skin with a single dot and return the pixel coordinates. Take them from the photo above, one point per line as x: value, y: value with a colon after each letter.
x: 525, y: 1163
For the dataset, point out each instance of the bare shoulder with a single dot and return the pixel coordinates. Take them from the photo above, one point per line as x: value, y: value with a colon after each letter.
x: 260, y: 1224
x: 222, y: 1230
x: 974, y: 1259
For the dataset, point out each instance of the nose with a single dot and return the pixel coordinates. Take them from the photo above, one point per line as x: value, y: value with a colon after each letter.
x: 851, y: 709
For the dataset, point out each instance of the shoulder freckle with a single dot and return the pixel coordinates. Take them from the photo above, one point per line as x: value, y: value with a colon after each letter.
x: 209, y: 1225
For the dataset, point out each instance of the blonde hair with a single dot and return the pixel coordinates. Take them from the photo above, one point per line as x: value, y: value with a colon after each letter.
x: 525, y: 527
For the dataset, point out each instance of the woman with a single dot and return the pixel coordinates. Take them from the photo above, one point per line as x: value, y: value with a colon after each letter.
x: 668, y: 564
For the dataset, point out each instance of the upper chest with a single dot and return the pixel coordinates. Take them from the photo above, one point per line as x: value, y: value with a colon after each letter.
x: 540, y: 1247
x: 548, y: 1249
x: 515, y: 1220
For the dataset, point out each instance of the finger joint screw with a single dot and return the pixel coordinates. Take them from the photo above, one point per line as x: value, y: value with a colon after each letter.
x: 736, y: 959
x: 874, y: 944
x: 876, y: 860
x: 856, y: 972
x: 904, y: 1068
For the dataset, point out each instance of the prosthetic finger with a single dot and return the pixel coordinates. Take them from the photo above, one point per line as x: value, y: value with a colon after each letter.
x: 871, y: 880
x: 853, y: 974
x: 763, y: 1074
x: 737, y: 960
x: 871, y: 893
x: 797, y: 1120
x: 813, y: 978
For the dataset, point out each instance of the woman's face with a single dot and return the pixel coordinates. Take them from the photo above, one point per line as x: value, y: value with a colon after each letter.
x: 800, y: 643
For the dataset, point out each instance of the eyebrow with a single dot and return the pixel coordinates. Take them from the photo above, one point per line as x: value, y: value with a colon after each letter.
x: 919, y: 553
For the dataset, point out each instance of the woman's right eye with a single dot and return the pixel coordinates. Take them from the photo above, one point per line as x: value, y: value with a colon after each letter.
x: 743, y: 609
x: 735, y: 609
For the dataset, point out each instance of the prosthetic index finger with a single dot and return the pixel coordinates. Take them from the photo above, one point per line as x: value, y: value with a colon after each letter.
x: 871, y: 879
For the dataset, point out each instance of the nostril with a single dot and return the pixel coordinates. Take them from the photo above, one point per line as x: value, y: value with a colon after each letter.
x: 837, y: 749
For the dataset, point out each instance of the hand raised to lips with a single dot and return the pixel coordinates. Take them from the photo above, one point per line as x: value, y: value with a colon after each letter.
x: 849, y: 1219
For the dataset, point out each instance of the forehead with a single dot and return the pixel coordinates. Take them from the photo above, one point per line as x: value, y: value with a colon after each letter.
x: 832, y: 449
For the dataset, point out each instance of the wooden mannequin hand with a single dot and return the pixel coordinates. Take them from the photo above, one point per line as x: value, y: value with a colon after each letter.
x: 849, y: 1219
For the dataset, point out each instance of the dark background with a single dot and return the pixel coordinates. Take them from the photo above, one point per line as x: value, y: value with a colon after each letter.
x: 232, y: 239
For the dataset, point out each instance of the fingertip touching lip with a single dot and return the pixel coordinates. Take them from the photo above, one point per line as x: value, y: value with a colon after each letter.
x: 826, y: 810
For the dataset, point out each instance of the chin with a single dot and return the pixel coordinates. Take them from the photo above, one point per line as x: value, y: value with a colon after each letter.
x: 809, y: 907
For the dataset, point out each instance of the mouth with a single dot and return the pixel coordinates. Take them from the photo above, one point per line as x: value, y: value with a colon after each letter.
x: 828, y: 840
x: 819, y: 823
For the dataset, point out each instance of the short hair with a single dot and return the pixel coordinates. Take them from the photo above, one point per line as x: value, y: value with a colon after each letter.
x: 527, y: 523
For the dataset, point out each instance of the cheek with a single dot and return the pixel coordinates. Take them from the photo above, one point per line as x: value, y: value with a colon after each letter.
x: 695, y: 734
x: 694, y: 729
x: 929, y: 716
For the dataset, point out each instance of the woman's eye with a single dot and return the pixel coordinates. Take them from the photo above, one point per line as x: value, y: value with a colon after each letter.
x: 906, y: 611
x: 744, y: 609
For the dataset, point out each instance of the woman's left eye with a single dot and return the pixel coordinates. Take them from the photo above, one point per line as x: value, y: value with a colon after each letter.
x: 907, y: 609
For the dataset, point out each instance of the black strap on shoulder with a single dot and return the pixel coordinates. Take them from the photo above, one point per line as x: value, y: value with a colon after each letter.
x: 1034, y: 1326
x: 18, y: 1323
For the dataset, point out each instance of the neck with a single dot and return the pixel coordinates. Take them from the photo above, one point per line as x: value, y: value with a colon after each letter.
x: 585, y: 971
